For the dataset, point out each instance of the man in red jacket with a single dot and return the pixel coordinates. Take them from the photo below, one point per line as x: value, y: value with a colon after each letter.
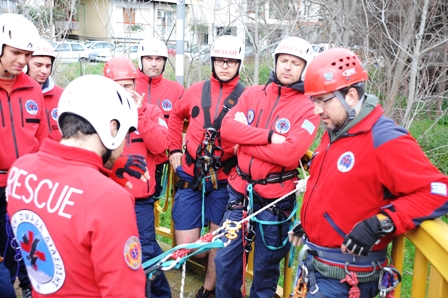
x: 206, y: 154
x: 152, y: 58
x: 369, y: 181
x: 22, y: 120
x: 77, y: 228
x: 274, y: 126
x: 149, y: 140
x: 40, y: 68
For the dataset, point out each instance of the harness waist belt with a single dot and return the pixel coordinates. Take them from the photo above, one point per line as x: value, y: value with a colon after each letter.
x: 271, y: 178
x: 335, y: 255
x: 226, y: 165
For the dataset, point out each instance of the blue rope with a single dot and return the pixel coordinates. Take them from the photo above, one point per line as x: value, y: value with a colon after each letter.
x: 12, y: 241
x: 200, y: 246
x: 164, y: 182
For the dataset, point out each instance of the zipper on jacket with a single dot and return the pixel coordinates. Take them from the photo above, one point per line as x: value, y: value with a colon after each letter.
x: 149, y: 90
x: 128, y: 140
x: 219, y: 101
x: 1, y: 114
x: 317, y: 180
x: 334, y: 225
x: 259, y: 117
x: 273, y: 122
x: 273, y: 108
x: 21, y: 112
x: 12, y: 127
x: 47, y: 112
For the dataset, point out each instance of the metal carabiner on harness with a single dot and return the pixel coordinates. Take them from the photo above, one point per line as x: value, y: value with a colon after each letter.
x: 388, y: 281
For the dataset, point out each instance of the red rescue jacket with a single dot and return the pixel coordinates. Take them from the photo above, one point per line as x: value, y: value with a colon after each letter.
x: 375, y: 166
x: 190, y: 107
x: 162, y: 93
x: 150, y: 140
x: 76, y: 228
x: 22, y: 122
x: 269, y: 109
x: 52, y: 93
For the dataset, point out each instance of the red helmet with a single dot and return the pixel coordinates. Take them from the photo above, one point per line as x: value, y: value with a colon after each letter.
x: 120, y: 68
x: 332, y: 70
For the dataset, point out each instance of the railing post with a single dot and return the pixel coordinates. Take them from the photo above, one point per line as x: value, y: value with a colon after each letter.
x: 420, y: 275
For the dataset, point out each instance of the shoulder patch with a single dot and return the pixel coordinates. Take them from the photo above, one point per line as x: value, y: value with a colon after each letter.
x: 133, y: 253
x: 54, y: 114
x: 43, y: 262
x: 308, y: 126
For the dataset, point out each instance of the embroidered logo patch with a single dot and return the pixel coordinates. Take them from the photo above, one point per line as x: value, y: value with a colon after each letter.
x: 282, y: 125
x: 133, y: 253
x: 42, y: 259
x: 54, y: 114
x: 438, y: 188
x: 167, y: 105
x: 31, y: 107
x: 308, y: 126
x: 328, y: 76
x: 250, y: 116
x: 346, y: 162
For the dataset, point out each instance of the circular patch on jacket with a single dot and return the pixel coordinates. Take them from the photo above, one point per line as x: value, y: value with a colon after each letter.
x: 133, y: 253
x: 346, y: 162
x: 250, y: 116
x: 43, y: 262
x: 54, y: 114
x: 195, y: 112
x: 282, y: 125
x: 167, y: 105
x: 31, y: 107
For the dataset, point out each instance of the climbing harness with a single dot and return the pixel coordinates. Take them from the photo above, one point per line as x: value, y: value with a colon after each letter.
x: 209, y: 152
x: 355, y: 269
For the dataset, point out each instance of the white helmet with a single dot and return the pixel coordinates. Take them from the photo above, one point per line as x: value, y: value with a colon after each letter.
x: 44, y: 48
x: 295, y: 46
x: 18, y: 32
x: 227, y: 46
x: 100, y: 100
x: 151, y: 47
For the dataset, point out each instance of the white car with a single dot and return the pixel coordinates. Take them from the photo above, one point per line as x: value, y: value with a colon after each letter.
x: 119, y: 51
x: 67, y: 52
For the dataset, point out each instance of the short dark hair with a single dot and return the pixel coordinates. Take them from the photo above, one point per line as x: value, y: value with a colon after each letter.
x: 358, y: 86
x: 71, y: 125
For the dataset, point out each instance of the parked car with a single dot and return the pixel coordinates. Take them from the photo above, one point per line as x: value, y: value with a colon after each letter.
x: 171, y: 49
x: 320, y: 47
x: 98, y: 46
x: 104, y: 56
x: 192, y: 53
x: 68, y: 52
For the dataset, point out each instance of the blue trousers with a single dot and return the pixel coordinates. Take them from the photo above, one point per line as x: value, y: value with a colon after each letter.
x: 6, y: 288
x: 229, y: 260
x: 9, y: 261
x: 144, y: 210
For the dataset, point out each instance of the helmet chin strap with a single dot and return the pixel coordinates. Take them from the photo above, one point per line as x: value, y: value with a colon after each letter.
x: 351, y: 112
x: 105, y: 157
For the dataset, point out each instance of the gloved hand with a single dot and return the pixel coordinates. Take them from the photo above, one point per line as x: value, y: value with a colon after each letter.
x: 306, y: 158
x: 296, y: 234
x: 132, y: 164
x: 364, y: 235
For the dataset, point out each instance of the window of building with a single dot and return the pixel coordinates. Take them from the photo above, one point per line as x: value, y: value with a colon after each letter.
x: 165, y: 22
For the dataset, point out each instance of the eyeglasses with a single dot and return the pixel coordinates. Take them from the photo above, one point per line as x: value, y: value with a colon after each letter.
x: 321, y: 102
x: 230, y: 63
x: 128, y: 87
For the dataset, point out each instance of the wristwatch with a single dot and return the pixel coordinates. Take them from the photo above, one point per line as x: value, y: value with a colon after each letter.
x: 386, y: 224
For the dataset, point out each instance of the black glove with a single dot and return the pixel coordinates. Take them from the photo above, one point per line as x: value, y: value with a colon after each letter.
x: 132, y: 164
x: 364, y: 235
x: 298, y: 229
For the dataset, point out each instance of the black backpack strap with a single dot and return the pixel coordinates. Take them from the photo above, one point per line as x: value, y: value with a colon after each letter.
x: 229, y: 103
x: 206, y: 103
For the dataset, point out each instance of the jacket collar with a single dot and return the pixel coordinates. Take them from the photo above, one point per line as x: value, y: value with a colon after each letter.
x: 144, y: 79
x: 230, y: 84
